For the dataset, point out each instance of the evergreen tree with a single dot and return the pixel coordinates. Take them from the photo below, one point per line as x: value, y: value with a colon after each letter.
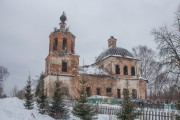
x: 28, y: 95
x: 128, y: 108
x: 82, y: 109
x: 39, y: 85
x: 42, y: 102
x: 58, y: 109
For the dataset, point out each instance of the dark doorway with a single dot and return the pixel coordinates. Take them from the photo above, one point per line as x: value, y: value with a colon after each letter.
x: 119, y: 93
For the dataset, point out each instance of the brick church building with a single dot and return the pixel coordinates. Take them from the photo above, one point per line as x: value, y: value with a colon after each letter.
x: 105, y: 77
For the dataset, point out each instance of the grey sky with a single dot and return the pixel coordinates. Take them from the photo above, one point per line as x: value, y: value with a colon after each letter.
x: 25, y: 26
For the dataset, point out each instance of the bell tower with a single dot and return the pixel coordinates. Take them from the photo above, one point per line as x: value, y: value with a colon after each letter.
x: 61, y: 58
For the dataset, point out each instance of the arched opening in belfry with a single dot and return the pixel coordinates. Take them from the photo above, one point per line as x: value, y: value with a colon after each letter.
x: 64, y: 45
x: 72, y: 47
x: 132, y: 71
x: 55, y: 45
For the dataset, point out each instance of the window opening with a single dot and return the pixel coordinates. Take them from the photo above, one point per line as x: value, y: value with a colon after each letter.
x: 108, y: 91
x: 64, y: 44
x: 98, y: 91
x: 125, y: 70
x: 117, y: 69
x: 64, y: 66
x: 134, y: 93
x: 88, y: 91
x: 55, y: 46
x: 132, y: 71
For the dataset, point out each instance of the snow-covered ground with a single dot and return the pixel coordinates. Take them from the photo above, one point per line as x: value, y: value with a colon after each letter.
x: 13, y: 109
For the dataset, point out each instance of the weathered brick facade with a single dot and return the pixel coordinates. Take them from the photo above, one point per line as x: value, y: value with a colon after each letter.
x: 112, y: 68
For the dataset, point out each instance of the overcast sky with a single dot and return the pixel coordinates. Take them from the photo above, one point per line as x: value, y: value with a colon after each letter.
x: 25, y: 26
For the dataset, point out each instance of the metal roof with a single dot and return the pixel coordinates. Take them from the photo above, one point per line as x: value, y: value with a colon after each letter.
x: 114, y: 51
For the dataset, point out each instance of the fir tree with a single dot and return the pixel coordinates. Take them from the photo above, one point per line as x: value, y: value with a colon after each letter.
x: 82, y: 109
x: 28, y: 95
x: 58, y: 109
x: 39, y: 85
x: 128, y: 108
x: 42, y: 102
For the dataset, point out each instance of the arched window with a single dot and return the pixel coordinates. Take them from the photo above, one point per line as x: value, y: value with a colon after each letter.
x: 132, y: 71
x: 134, y: 93
x: 117, y: 69
x: 55, y: 44
x: 64, y: 45
x: 125, y: 70
x: 64, y: 66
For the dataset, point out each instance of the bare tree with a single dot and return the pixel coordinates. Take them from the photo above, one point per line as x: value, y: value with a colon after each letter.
x: 168, y: 40
x: 3, y: 75
x: 167, y: 83
x: 147, y: 62
x: 14, y: 91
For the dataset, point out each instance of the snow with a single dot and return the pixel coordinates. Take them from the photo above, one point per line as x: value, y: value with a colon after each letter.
x: 93, y: 69
x: 13, y: 109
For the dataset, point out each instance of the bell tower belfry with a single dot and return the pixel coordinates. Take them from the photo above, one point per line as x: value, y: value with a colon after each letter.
x: 62, y: 59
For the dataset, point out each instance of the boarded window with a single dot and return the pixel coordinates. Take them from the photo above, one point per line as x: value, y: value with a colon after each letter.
x: 88, y: 91
x: 117, y: 69
x: 132, y: 71
x: 125, y: 70
x: 64, y: 66
x: 134, y: 93
x: 98, y: 91
x: 119, y: 93
x: 64, y: 44
x: 55, y: 45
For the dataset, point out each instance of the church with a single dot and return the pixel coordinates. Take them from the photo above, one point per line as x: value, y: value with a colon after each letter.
x: 105, y: 77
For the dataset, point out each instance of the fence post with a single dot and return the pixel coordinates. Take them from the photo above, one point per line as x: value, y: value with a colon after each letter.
x: 159, y: 115
x: 164, y: 115
x: 172, y: 115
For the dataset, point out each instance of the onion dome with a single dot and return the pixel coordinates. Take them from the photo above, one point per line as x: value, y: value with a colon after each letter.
x: 63, y: 17
x: 114, y: 51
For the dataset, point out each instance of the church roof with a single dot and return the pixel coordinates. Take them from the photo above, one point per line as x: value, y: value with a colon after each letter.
x: 93, y: 70
x: 114, y: 51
